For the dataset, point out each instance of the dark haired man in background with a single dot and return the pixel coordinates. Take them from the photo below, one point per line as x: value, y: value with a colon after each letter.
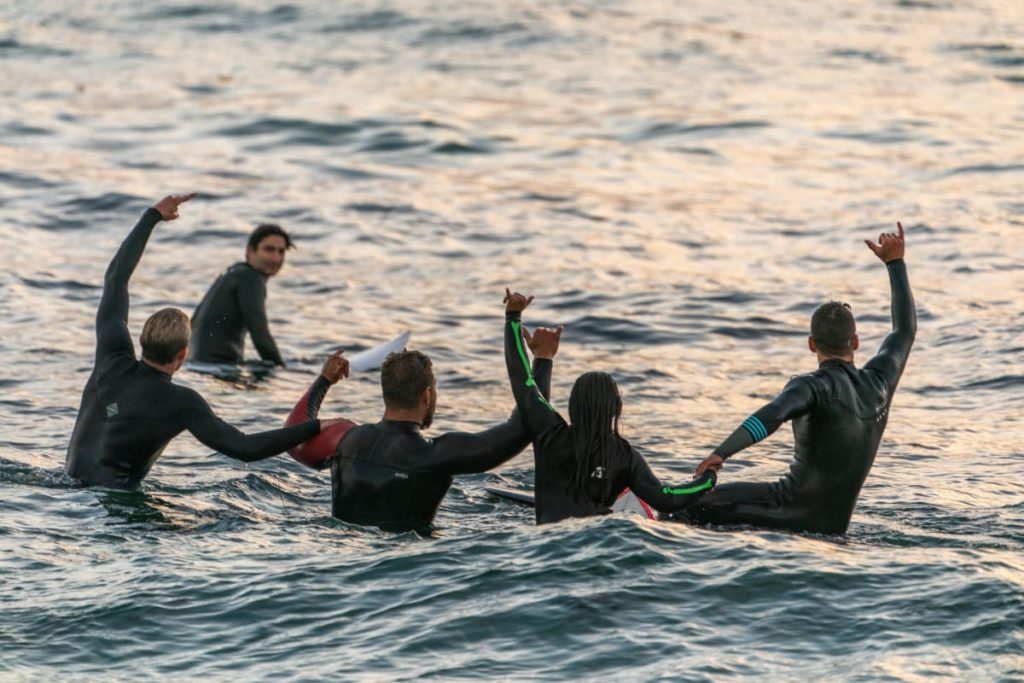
x: 838, y: 414
x: 388, y: 474
x: 236, y: 302
x: 130, y: 408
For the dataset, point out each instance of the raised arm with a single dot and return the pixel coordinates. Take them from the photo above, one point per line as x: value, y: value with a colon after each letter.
x: 796, y: 399
x: 663, y: 498
x: 468, y: 453
x: 318, y: 451
x: 112, y: 334
x: 530, y: 400
x: 252, y: 294
x: 892, y: 356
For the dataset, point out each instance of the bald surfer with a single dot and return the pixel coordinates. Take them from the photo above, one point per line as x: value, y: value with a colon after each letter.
x: 130, y: 409
x: 839, y: 413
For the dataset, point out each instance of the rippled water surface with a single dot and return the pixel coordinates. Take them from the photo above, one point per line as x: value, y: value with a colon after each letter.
x: 678, y: 183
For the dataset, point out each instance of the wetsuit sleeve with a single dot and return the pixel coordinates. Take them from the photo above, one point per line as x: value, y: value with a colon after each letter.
x: 215, y: 433
x: 318, y: 451
x: 796, y: 399
x: 892, y: 357
x: 465, y: 453
x: 112, y: 336
x: 530, y: 400
x: 649, y: 488
x: 252, y: 294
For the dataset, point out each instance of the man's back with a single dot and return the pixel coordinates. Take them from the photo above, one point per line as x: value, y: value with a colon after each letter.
x: 836, y: 441
x: 387, y: 475
x: 128, y: 414
x: 839, y: 414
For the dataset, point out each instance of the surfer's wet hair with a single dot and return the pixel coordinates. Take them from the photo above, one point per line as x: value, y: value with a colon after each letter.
x: 404, y: 376
x: 265, y: 230
x: 164, y: 335
x: 595, y: 406
x: 833, y: 328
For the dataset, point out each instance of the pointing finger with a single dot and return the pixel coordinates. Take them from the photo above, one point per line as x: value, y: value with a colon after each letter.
x: 900, y: 226
x: 508, y: 295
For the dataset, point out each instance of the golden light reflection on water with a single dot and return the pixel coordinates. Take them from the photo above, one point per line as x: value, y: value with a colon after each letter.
x: 680, y: 191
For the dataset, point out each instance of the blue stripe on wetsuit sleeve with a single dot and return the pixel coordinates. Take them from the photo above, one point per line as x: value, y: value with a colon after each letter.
x: 756, y: 428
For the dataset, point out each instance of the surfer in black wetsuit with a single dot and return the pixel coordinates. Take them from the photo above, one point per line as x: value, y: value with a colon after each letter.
x: 581, y: 468
x: 838, y: 414
x: 130, y: 409
x: 388, y: 474
x: 236, y: 302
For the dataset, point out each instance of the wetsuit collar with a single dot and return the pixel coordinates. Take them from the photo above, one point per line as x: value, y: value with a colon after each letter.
x: 836, y: 361
x: 400, y: 426
x: 154, y: 370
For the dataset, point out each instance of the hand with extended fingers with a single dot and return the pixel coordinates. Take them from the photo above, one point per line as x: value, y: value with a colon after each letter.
x: 335, y: 367
x: 515, y: 302
x: 168, y: 206
x: 543, y: 342
x: 890, y: 245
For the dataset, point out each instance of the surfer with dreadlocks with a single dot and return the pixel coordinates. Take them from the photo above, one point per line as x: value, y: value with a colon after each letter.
x: 582, y: 466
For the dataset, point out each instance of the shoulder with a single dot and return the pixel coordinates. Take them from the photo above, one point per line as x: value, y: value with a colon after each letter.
x: 187, y: 398
x: 243, y: 271
x: 807, y: 379
x: 817, y: 383
x: 361, y: 434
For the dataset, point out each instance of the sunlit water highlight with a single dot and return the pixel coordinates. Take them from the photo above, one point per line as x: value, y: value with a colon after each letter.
x: 679, y: 185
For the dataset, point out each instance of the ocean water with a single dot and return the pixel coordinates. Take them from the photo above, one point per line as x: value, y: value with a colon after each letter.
x: 679, y: 184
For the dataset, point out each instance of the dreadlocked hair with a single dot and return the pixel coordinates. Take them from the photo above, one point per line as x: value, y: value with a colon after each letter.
x: 594, y: 409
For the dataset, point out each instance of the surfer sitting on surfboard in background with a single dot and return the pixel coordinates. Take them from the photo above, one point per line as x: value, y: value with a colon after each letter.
x: 236, y: 302
x: 580, y: 468
x: 388, y: 474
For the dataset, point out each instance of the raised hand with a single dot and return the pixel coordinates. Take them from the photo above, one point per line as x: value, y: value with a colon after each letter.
x: 890, y: 245
x: 515, y: 302
x: 168, y: 206
x: 544, y: 341
x: 335, y: 367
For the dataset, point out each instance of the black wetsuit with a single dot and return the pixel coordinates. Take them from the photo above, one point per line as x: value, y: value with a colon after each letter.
x: 390, y: 476
x: 130, y: 411
x: 838, y: 414
x: 554, y: 457
x: 235, y: 302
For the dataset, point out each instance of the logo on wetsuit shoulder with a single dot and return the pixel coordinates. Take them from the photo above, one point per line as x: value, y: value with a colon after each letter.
x: 401, y: 475
x: 598, y: 473
x: 112, y: 409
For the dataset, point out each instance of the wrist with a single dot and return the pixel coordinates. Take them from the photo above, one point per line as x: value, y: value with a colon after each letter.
x: 513, y: 315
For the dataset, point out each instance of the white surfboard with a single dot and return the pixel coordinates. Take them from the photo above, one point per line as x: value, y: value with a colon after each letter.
x: 371, y: 359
